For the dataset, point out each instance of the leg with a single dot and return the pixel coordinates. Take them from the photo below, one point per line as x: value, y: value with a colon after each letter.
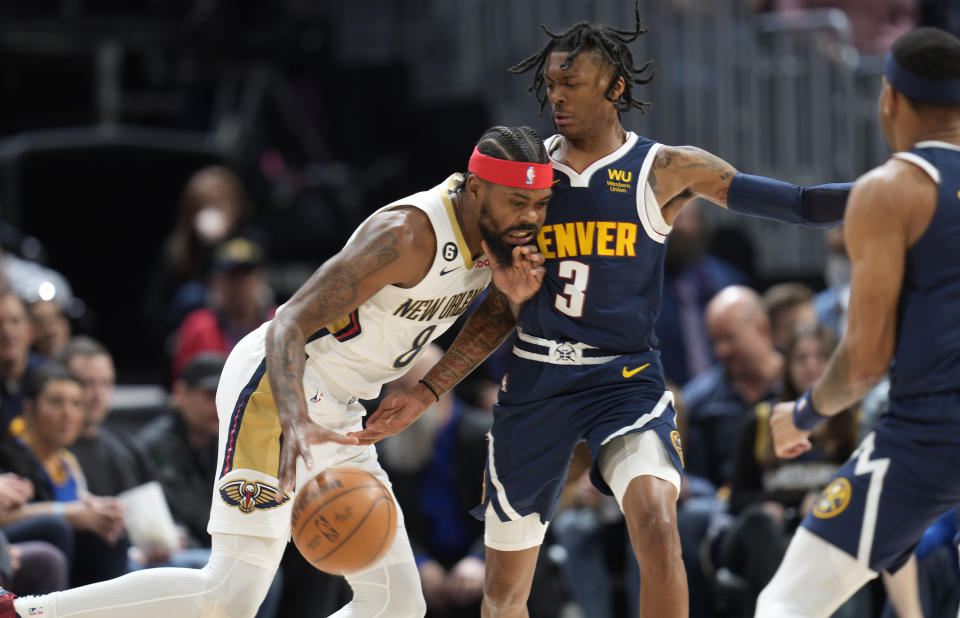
x: 650, y: 508
x: 644, y: 480
x: 813, y: 580
x: 512, y: 550
x: 903, y: 590
x: 232, y: 584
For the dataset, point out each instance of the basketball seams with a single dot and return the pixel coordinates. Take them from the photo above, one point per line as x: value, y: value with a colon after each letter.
x: 354, y: 546
x: 352, y: 532
x: 306, y: 517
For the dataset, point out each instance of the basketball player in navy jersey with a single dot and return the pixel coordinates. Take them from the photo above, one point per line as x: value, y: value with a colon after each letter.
x: 902, y: 227
x: 289, y: 390
x: 584, y: 365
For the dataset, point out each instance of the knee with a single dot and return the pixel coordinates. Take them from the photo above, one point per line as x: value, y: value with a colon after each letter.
x: 234, y: 587
x: 503, y: 595
x: 652, y: 524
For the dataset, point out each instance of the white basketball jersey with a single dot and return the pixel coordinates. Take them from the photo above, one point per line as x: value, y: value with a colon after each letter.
x: 381, y: 339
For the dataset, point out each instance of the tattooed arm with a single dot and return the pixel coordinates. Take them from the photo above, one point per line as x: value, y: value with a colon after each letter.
x: 680, y: 173
x: 483, y: 333
x: 394, y: 247
x: 890, y: 207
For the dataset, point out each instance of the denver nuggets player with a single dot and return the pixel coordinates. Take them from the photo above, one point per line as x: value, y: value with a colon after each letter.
x: 902, y: 226
x: 289, y: 390
x: 584, y: 365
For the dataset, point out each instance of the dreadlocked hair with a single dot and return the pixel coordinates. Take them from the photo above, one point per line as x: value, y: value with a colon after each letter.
x: 511, y: 144
x: 609, y: 41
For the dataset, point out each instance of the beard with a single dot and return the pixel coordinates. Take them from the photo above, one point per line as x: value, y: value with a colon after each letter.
x: 502, y: 251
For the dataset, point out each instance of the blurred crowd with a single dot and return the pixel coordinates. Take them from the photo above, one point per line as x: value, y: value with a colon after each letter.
x: 731, y: 347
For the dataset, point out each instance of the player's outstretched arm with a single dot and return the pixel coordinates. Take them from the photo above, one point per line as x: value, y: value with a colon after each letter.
x: 680, y: 173
x: 394, y: 247
x: 889, y: 209
x: 483, y: 333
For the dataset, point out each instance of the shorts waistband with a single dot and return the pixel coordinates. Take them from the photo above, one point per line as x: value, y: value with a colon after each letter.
x: 559, y: 352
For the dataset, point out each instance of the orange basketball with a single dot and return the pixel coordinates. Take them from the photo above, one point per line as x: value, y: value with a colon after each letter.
x: 343, y: 520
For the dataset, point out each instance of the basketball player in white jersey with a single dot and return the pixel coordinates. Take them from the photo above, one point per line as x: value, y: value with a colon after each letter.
x: 289, y: 390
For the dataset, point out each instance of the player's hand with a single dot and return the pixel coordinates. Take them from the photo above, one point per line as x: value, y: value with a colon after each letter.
x: 521, y: 280
x: 395, y: 413
x: 788, y: 441
x: 465, y: 582
x: 298, y: 434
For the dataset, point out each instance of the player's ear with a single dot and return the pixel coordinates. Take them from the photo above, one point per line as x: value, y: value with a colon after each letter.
x: 616, y: 91
x: 475, y: 187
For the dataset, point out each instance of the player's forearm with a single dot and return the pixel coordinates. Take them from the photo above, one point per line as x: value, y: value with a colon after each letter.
x: 819, y: 206
x: 842, y: 384
x: 285, y: 360
x: 483, y: 333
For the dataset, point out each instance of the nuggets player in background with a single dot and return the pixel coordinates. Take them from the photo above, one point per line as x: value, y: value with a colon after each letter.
x: 901, y: 230
x: 585, y: 364
x: 289, y: 390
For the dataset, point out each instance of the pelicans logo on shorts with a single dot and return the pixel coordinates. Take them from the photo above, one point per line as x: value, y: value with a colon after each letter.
x: 675, y: 438
x: 251, y: 495
x: 833, y: 500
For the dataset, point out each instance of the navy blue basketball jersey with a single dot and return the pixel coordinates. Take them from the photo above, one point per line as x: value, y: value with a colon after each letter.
x: 927, y: 357
x: 604, y: 241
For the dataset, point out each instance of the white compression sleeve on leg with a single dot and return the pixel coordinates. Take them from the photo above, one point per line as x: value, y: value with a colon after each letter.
x: 231, y: 585
x: 386, y: 592
x: 814, y: 579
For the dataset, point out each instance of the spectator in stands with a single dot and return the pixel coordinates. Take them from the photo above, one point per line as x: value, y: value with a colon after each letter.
x: 51, y: 327
x: 770, y: 496
x: 434, y: 466
x: 788, y: 306
x: 27, y: 561
x: 112, y: 460
x: 691, y: 278
x: 17, y: 361
x: 182, y: 444
x: 749, y: 371
x: 239, y: 299
x: 831, y: 303
x: 214, y: 206
x: 876, y: 24
x: 53, y: 418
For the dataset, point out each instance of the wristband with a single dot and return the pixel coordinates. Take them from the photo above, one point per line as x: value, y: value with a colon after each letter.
x: 430, y: 388
x: 805, y: 415
x: 58, y: 508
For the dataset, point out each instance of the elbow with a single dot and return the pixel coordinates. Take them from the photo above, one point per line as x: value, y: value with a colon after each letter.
x: 863, y: 376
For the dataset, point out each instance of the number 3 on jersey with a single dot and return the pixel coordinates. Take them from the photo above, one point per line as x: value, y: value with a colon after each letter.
x: 418, y: 342
x: 570, y: 301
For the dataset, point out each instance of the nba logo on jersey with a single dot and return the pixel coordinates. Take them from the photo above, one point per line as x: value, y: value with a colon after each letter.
x: 531, y: 175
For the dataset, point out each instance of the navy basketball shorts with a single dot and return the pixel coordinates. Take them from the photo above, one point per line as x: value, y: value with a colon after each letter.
x: 893, y: 487
x: 544, y: 410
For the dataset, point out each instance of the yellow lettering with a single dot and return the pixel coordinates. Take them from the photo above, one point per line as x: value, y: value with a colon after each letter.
x: 626, y: 176
x: 544, y: 243
x: 404, y: 308
x: 612, y: 173
x: 566, y: 240
x: 605, y: 237
x: 415, y: 309
x: 432, y: 307
x: 626, y: 239
x: 585, y: 237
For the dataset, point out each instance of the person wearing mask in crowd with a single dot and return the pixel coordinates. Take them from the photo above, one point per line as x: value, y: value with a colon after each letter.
x: 213, y: 207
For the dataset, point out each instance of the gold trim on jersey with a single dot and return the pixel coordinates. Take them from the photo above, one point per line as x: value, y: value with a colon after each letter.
x: 468, y: 261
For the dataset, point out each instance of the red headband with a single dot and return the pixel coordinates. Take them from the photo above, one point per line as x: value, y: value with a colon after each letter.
x: 519, y: 174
